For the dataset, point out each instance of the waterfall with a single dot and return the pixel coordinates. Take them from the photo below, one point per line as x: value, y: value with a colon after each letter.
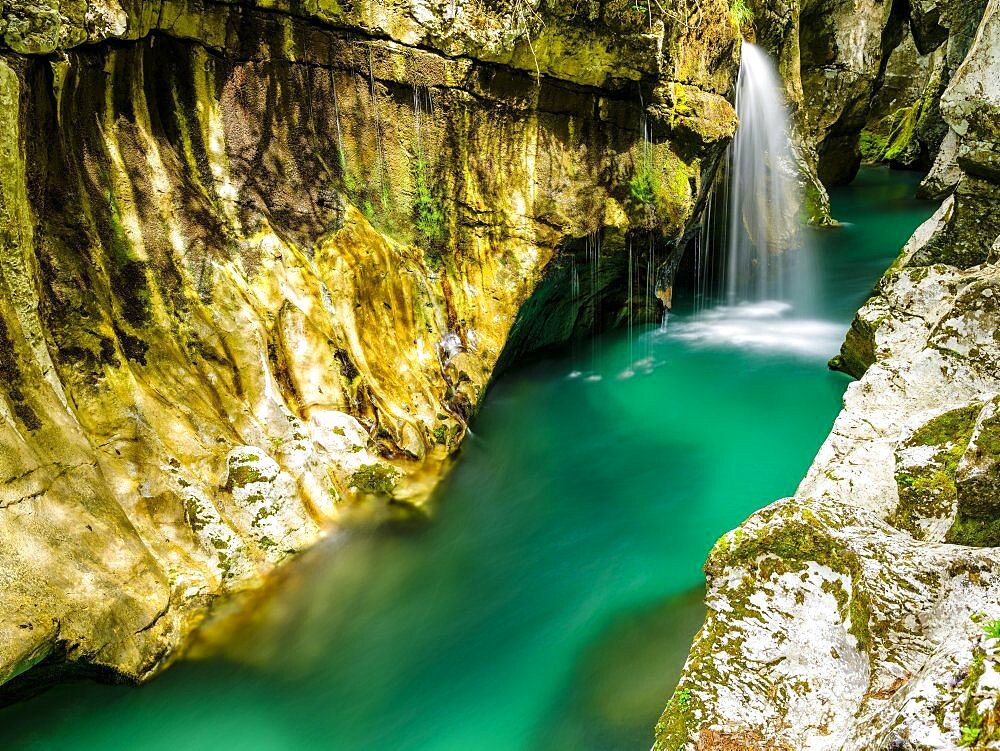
x: 764, y: 197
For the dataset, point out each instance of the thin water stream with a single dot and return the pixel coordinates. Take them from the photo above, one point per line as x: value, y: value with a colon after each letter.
x: 551, y: 601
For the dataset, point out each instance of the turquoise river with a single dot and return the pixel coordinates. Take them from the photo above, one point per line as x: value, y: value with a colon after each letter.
x: 552, y: 599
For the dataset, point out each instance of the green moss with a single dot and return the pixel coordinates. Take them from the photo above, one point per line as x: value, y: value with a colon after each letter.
x: 800, y: 540
x: 740, y: 13
x: 376, y: 479
x: 857, y: 353
x: 676, y: 723
x: 816, y: 206
x: 988, y: 438
x: 974, y: 531
x: 929, y: 491
x: 892, y: 138
x: 428, y: 213
x: 239, y: 476
x: 955, y: 427
x: 873, y: 146
x: 192, y: 513
x: 970, y: 721
x: 643, y: 185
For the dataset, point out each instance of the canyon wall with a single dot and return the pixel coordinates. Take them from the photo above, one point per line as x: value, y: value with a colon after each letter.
x: 862, y: 613
x: 258, y: 262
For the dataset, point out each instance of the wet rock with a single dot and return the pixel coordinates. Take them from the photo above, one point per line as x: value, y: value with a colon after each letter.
x: 235, y: 237
x: 862, y: 613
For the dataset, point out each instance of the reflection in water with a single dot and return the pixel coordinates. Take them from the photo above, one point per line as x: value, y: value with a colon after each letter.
x: 626, y: 678
x: 528, y: 614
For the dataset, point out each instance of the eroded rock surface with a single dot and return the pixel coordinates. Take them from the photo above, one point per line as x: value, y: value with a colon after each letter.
x: 259, y: 260
x: 863, y: 612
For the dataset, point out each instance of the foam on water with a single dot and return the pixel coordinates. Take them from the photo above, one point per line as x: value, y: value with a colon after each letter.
x: 768, y: 326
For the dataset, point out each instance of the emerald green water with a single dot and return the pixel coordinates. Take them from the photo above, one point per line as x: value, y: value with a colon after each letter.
x: 551, y: 601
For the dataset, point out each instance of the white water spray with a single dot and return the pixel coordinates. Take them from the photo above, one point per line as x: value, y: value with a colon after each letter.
x: 764, y: 194
x: 765, y: 275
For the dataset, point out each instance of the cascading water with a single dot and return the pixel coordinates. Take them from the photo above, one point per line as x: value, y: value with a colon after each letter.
x: 763, y: 277
x: 764, y: 197
x: 759, y: 292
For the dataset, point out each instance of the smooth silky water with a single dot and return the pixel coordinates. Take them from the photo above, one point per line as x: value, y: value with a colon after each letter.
x: 550, y: 602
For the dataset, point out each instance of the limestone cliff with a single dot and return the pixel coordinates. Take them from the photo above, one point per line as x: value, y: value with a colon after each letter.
x: 872, y: 75
x: 863, y: 613
x: 259, y: 260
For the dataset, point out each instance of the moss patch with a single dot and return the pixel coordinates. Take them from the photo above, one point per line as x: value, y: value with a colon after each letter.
x: 375, y: 479
x: 895, y: 138
x: 928, y: 491
x: 977, y: 521
x: 857, y: 353
x: 676, y: 723
x: 428, y: 212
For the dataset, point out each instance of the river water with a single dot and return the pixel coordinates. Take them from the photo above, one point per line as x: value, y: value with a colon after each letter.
x: 551, y: 601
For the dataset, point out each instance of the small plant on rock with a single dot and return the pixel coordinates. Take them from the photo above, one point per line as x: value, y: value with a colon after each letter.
x: 741, y: 14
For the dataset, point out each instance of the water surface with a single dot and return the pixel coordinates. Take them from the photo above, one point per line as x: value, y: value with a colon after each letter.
x: 550, y: 603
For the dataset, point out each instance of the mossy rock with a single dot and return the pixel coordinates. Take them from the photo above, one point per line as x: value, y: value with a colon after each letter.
x: 375, y: 479
x: 928, y: 490
x: 977, y: 481
x: 857, y: 353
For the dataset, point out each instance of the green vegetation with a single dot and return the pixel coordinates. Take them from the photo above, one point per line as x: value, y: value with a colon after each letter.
x: 376, y: 479
x: 243, y: 475
x: 673, y: 727
x: 642, y: 186
x: 970, y: 720
x: 992, y: 629
x: 929, y: 491
x: 970, y: 733
x: 429, y: 216
x: 892, y: 138
x: 740, y: 12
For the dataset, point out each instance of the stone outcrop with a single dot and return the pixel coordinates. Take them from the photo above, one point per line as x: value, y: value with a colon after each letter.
x: 862, y: 613
x: 258, y: 262
x: 872, y: 77
x: 844, y: 44
x: 906, y: 127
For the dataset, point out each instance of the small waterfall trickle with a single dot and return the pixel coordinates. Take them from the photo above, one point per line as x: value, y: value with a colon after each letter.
x: 764, y: 196
x: 630, y: 312
x: 380, y: 160
x: 341, y: 154
x: 594, y: 257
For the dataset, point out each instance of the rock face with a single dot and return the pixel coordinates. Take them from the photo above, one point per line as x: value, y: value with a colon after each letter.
x: 872, y: 77
x: 862, y: 613
x: 843, y: 44
x: 259, y: 260
x: 906, y: 127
